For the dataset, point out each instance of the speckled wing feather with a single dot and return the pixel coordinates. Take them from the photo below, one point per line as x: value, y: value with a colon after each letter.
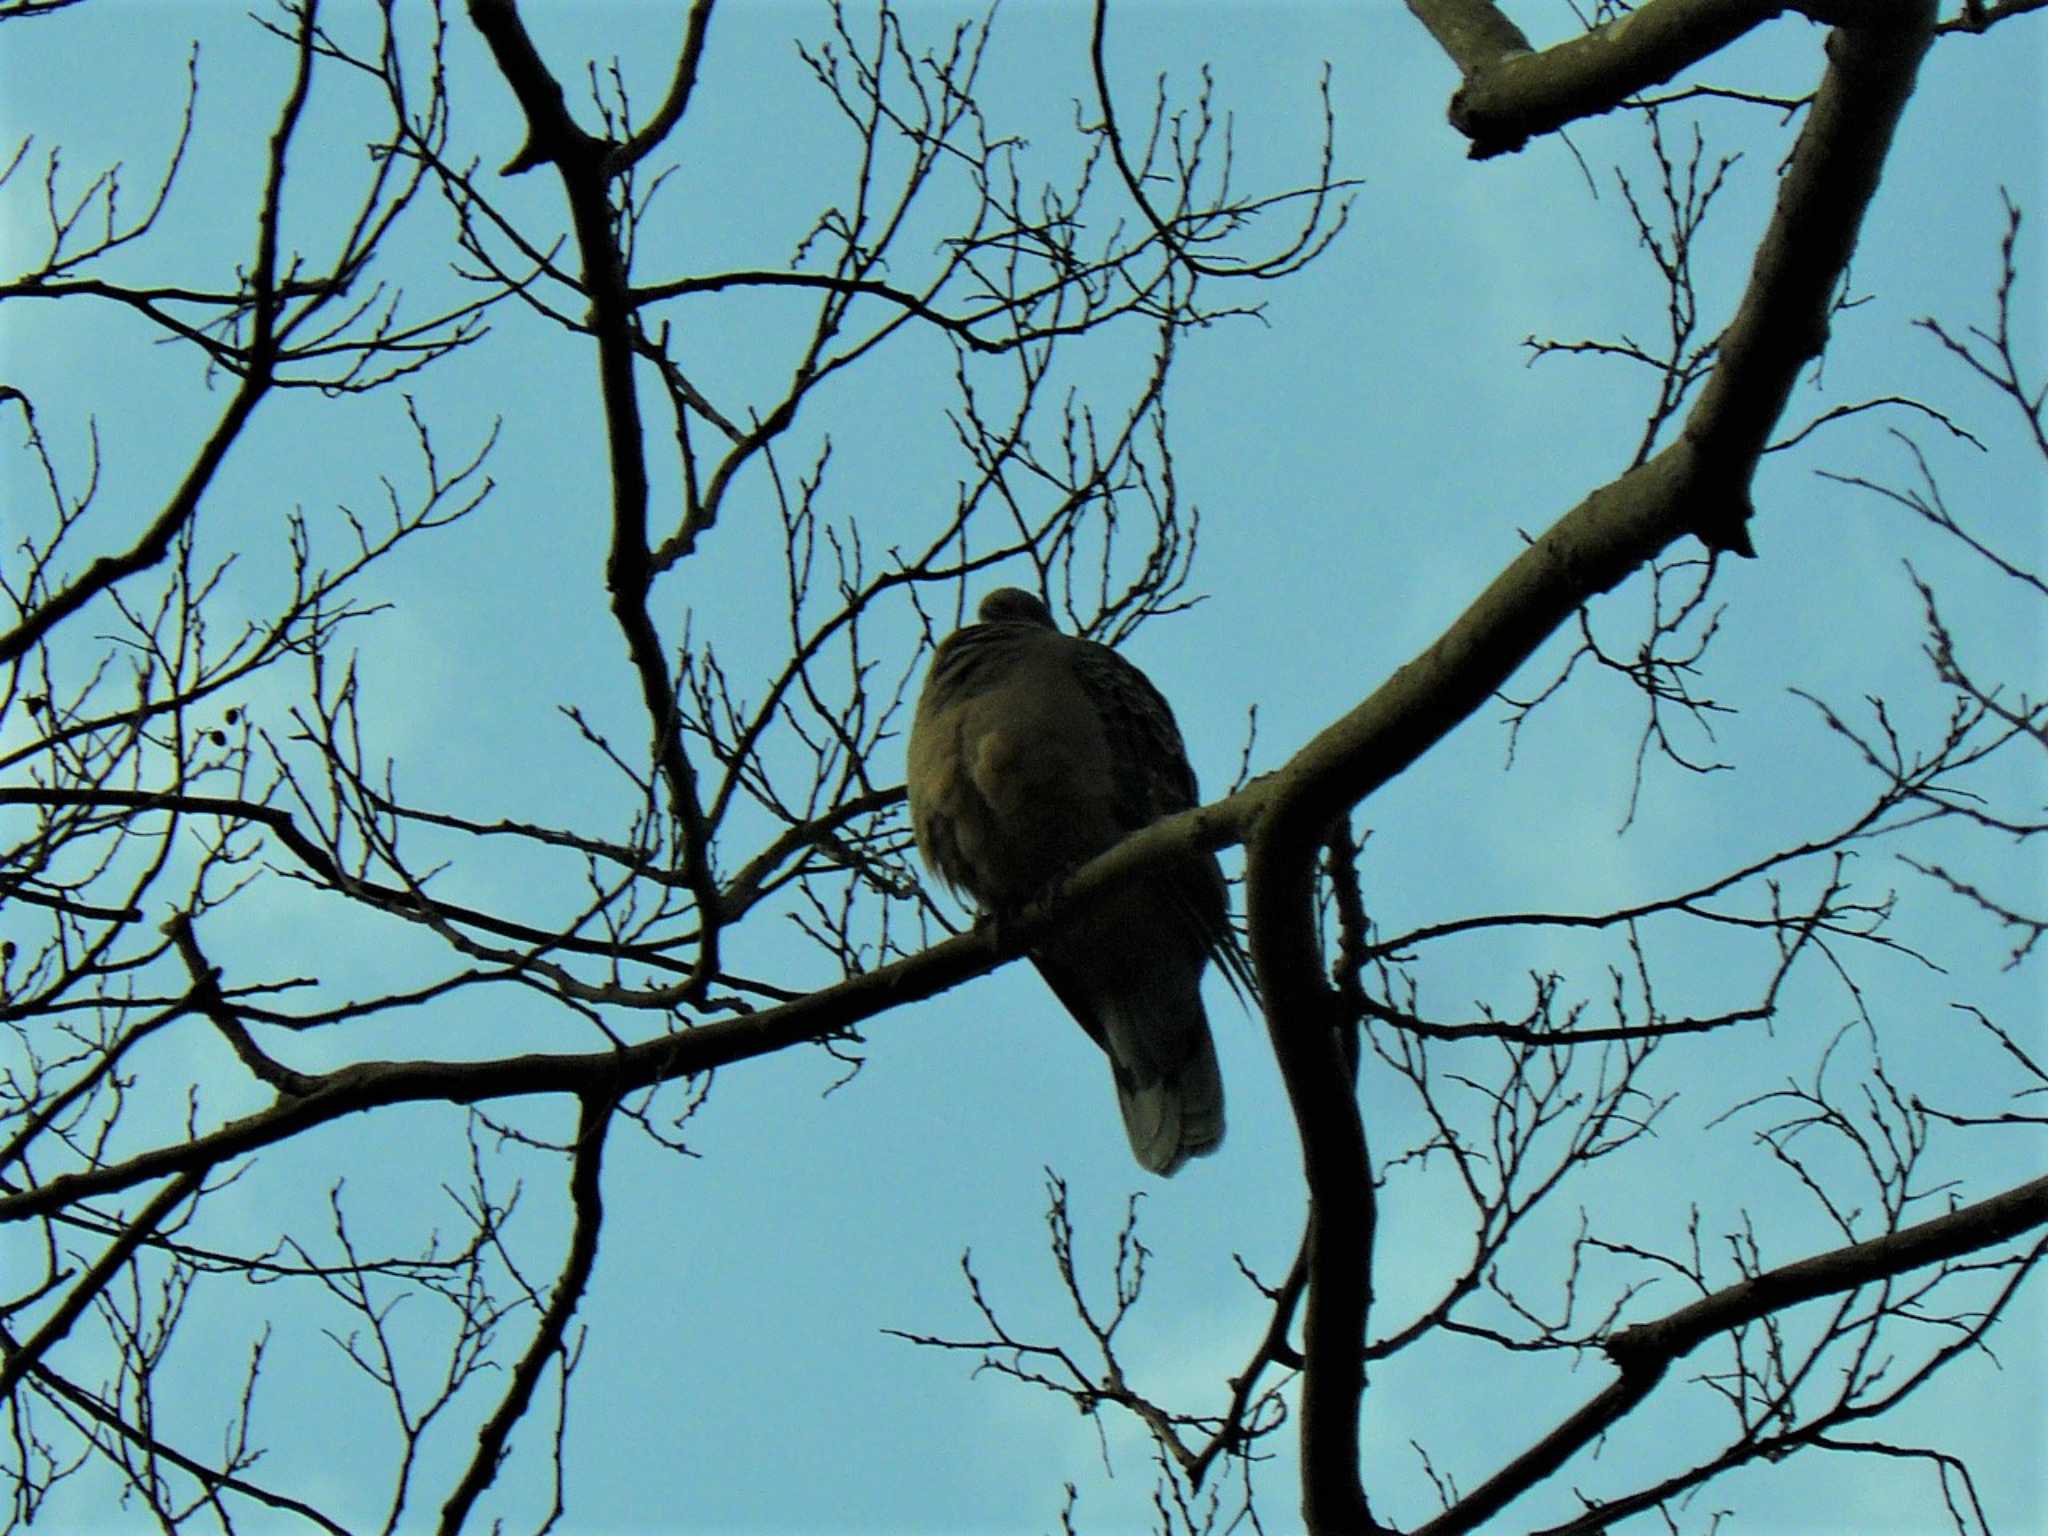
x: 1155, y: 779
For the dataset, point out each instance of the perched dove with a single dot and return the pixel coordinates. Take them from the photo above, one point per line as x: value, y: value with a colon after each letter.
x: 1032, y: 752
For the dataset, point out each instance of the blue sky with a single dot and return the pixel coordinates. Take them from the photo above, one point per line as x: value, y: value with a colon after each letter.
x: 1364, y: 460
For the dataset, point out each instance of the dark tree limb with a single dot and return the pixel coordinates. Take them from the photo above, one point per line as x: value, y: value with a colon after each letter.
x: 207, y: 1477
x: 1477, y: 34
x: 24, y: 1357
x: 586, y: 1197
x: 1782, y: 321
x: 1643, y: 1353
x: 1512, y: 93
x: 206, y: 998
x: 1306, y: 1020
x: 1978, y: 18
x: 586, y: 168
x: 1699, y: 485
x: 2001, y: 1217
x: 105, y: 573
x: 371, y: 1085
x: 677, y: 102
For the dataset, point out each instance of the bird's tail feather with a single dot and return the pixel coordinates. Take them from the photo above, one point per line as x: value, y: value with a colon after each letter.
x: 1168, y: 1084
x: 1142, y: 1003
x: 1172, y: 1119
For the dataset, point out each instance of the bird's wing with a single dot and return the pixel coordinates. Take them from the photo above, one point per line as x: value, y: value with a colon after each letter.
x: 1009, y: 767
x: 1153, y: 778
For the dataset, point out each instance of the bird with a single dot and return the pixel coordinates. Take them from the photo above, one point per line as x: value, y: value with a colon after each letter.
x: 1032, y: 751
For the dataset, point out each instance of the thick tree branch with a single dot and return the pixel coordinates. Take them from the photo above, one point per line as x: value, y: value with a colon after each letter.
x: 206, y: 998
x: 1511, y: 94
x: 1515, y: 96
x: 1305, y: 1019
x: 587, y: 170
x: 1656, y: 1344
x: 1475, y: 33
x: 373, y: 1084
x: 1783, y: 318
x: 1979, y: 18
x: 1646, y: 1351
x: 1698, y: 484
x: 677, y: 102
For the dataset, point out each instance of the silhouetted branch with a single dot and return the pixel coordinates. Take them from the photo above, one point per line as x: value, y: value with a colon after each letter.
x: 586, y: 1196
x: 1644, y: 1352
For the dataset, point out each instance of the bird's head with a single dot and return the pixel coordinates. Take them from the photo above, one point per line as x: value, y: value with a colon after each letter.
x: 1013, y: 605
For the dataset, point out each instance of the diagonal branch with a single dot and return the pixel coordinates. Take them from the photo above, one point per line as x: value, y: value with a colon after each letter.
x: 1656, y: 1344
x: 1646, y: 1351
x: 1698, y: 484
x: 207, y: 1477
x: 676, y: 103
x: 1512, y: 93
x: 24, y: 1357
x: 258, y: 374
x: 109, y: 570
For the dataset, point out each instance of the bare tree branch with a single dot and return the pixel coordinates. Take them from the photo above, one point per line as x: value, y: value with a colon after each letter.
x: 1645, y: 1351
